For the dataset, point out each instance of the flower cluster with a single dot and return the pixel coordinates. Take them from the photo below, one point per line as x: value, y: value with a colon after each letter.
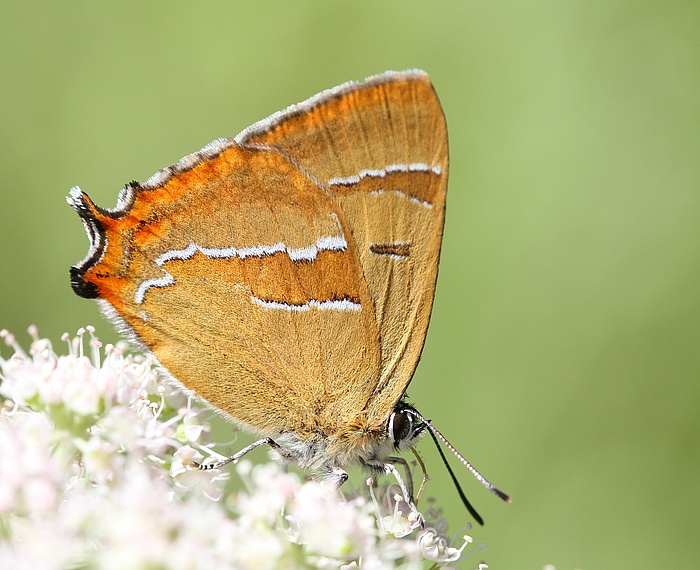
x: 96, y: 473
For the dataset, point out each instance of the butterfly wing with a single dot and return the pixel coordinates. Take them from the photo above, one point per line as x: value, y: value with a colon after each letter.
x: 380, y: 149
x: 287, y: 277
x: 238, y: 272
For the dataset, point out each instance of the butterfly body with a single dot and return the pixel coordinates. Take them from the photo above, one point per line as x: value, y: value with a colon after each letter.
x: 287, y: 276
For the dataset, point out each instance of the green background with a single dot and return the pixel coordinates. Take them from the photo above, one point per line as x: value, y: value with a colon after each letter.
x: 564, y: 350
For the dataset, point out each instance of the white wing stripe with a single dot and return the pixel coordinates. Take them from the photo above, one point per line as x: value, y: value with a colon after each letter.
x: 342, y: 305
x: 382, y: 172
x: 309, y: 253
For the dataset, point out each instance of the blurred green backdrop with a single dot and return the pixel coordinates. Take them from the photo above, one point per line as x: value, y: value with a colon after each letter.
x: 564, y: 352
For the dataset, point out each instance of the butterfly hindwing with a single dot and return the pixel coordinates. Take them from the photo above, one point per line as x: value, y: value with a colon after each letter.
x: 245, y: 286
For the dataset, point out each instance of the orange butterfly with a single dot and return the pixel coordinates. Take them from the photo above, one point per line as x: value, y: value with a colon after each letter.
x: 287, y: 276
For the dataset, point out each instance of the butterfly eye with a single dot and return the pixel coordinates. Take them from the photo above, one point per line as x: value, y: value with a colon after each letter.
x: 403, y: 430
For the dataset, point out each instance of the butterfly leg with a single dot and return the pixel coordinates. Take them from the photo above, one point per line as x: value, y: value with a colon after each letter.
x: 408, y: 490
x: 333, y: 476
x: 234, y: 458
x: 389, y: 467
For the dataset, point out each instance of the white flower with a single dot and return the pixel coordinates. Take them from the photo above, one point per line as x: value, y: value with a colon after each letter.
x: 96, y: 471
x: 401, y: 522
x: 79, y: 388
x: 29, y: 475
x: 274, y: 491
x: 330, y: 526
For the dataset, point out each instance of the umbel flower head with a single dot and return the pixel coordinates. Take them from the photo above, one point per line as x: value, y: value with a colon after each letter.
x: 95, y: 473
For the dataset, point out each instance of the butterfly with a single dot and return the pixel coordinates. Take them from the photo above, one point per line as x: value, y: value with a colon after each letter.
x: 287, y: 276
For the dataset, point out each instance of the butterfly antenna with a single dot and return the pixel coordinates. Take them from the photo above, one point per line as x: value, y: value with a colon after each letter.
x: 465, y: 501
x: 435, y: 435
